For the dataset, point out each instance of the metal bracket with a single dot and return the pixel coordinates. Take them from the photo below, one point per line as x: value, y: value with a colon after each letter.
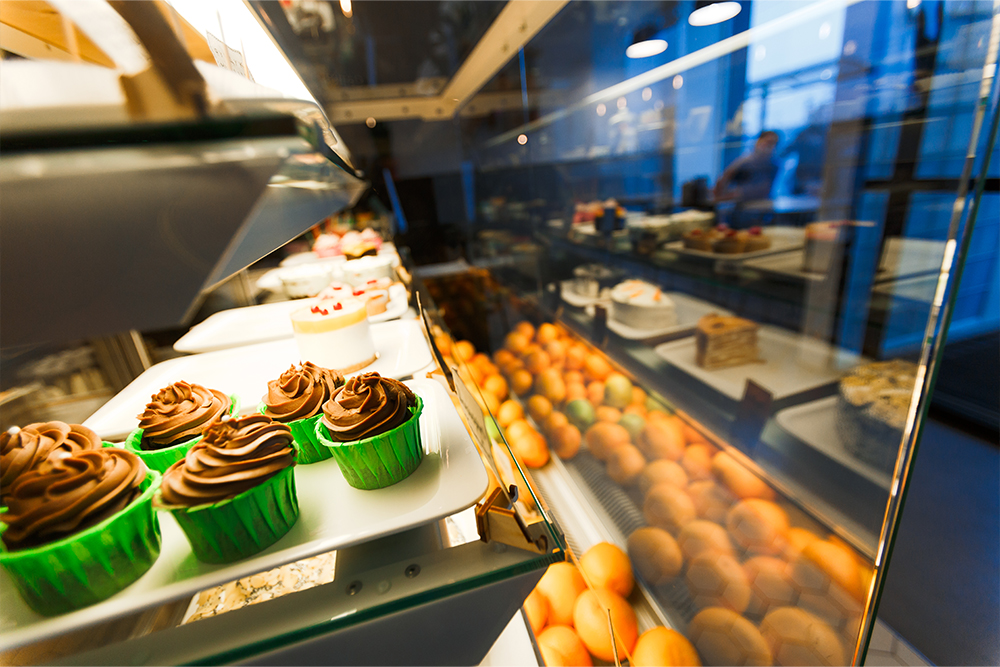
x: 502, y: 524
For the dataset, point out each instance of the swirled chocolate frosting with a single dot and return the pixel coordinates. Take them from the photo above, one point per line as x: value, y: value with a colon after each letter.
x: 23, y: 450
x: 366, y: 406
x: 179, y: 412
x: 233, y: 455
x: 63, y: 496
x: 300, y: 392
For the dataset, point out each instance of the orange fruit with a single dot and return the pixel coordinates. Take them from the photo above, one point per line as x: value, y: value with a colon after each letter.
x: 526, y: 329
x: 691, y: 435
x: 604, y: 437
x: 536, y: 608
x: 476, y: 374
x: 564, y: 640
x: 503, y: 357
x: 537, y: 361
x: 539, y: 408
x: 655, y: 415
x: 551, y: 657
x: 575, y: 390
x: 547, y: 333
x: 576, y: 357
x: 697, y: 461
x: 508, y: 412
x: 517, y: 428
x: 443, y: 343
x: 596, y: 368
x: 510, y: 367
x: 497, y: 385
x: 638, y: 396
x: 604, y: 565
x: 561, y: 585
x: 521, y: 382
x: 554, y: 421
x: 662, y: 439
x: 606, y: 413
x: 516, y: 342
x: 490, y: 402
x: 550, y: 384
x: 595, y: 393
x: 565, y: 440
x: 635, y: 409
x: 625, y: 463
x: 531, y: 449
x: 478, y: 359
x: 556, y: 351
x: 663, y: 646
x: 464, y: 350
x: 590, y: 617
x: 573, y: 377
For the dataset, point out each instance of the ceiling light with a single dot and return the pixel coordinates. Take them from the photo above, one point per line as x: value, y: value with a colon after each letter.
x: 345, y: 6
x: 601, y: 109
x: 647, y: 94
x: 522, y: 139
x: 645, y: 43
x: 710, y: 13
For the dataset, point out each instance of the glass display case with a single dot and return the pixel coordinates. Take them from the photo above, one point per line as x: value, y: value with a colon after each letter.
x: 672, y: 282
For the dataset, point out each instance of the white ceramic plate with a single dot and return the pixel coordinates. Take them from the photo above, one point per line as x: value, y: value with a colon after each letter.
x: 578, y: 300
x: 792, y: 364
x: 245, y: 371
x: 783, y: 239
x: 270, y: 321
x: 815, y: 424
x: 332, y: 515
x: 689, y: 311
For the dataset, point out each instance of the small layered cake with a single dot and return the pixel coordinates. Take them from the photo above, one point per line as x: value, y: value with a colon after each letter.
x: 757, y: 240
x: 698, y: 239
x: 360, y: 271
x: 639, y: 305
x: 731, y: 242
x: 335, y: 335
x: 724, y: 341
x: 872, y: 404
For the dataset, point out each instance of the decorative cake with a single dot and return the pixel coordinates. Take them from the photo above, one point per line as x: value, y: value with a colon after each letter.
x: 360, y: 271
x: 731, y: 242
x: 698, y: 239
x: 638, y: 304
x: 723, y: 341
x: 335, y: 335
x: 822, y: 241
x: 757, y: 240
x: 872, y: 405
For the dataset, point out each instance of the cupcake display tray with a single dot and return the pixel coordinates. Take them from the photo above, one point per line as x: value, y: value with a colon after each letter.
x: 245, y: 371
x: 689, y: 311
x: 270, y: 321
x: 792, y: 364
x: 332, y: 515
x: 783, y: 239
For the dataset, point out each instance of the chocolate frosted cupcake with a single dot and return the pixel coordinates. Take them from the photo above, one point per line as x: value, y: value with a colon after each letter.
x: 174, y: 420
x: 24, y: 450
x: 371, y: 425
x: 234, y: 492
x: 296, y: 399
x: 80, y: 528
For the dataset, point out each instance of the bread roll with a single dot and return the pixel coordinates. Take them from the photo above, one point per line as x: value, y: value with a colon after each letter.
x: 723, y: 637
x: 759, y: 526
x: 718, y: 580
x: 655, y: 555
x: 668, y: 507
x: 796, y: 637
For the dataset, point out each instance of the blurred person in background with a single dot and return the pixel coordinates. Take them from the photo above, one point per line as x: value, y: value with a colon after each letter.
x: 750, y: 177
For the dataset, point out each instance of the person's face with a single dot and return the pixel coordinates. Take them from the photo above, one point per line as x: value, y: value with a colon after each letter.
x: 766, y: 144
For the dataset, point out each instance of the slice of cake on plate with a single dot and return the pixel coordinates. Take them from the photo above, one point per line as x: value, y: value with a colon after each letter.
x: 723, y: 341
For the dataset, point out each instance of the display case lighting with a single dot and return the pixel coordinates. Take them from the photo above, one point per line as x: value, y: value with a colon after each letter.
x: 645, y: 43
x: 710, y: 13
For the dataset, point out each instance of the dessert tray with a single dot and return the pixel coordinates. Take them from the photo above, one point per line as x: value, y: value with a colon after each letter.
x: 814, y: 424
x: 332, y: 515
x: 783, y: 239
x: 245, y: 371
x: 689, y: 311
x: 258, y: 324
x: 792, y: 364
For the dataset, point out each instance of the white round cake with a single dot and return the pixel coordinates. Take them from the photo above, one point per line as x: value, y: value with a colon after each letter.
x: 637, y: 304
x: 334, y: 334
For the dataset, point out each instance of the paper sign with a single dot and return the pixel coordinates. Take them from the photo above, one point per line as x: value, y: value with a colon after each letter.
x: 234, y: 63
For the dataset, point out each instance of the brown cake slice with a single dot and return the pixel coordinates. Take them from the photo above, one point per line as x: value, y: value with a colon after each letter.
x: 723, y: 341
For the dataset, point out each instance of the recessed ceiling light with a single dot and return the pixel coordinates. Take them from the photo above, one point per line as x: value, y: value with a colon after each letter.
x: 650, y: 47
x: 713, y: 12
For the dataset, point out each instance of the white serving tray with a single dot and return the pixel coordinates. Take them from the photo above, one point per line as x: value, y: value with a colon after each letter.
x: 785, y: 265
x: 332, y: 515
x: 245, y: 371
x: 689, y: 310
x: 578, y: 300
x: 783, y: 239
x: 791, y: 364
x: 270, y: 321
x: 815, y: 425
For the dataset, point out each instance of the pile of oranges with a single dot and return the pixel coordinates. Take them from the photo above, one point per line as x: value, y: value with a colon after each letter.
x: 568, y: 612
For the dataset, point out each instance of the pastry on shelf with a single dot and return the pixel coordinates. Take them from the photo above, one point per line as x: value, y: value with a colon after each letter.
x: 723, y: 341
x: 731, y: 242
x: 637, y: 304
x: 872, y: 404
x: 698, y: 239
x: 757, y: 240
x: 296, y: 399
x: 822, y: 242
x: 335, y: 334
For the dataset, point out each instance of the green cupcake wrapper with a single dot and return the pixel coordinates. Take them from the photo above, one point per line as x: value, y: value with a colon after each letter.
x: 161, y: 459
x: 304, y: 434
x: 381, y: 460
x: 92, y: 565
x: 243, y: 525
